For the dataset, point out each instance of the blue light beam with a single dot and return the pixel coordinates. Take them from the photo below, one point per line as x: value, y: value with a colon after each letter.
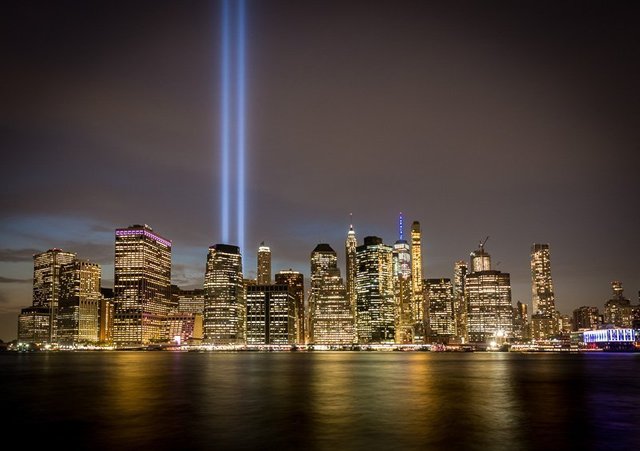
x: 240, y: 120
x: 225, y: 131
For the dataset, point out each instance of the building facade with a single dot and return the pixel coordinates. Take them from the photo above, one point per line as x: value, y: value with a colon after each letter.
x: 224, y: 296
x: 323, y: 260
x: 295, y: 281
x: 350, y: 245
x: 375, y: 319
x: 545, y: 316
x: 333, y: 320
x: 270, y: 315
x: 46, y: 286
x: 488, y: 295
x: 264, y: 265
x: 416, y: 282
x: 142, y: 286
x: 79, y: 306
x: 460, y: 268
x: 441, y: 323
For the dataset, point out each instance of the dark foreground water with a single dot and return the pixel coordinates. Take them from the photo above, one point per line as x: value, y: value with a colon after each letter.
x: 307, y: 401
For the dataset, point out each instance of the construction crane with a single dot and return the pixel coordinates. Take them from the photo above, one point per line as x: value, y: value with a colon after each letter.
x: 482, y: 243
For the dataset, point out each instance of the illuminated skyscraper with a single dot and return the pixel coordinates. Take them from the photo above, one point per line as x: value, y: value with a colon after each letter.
x: 295, y: 281
x: 79, y: 306
x: 323, y: 259
x: 46, y: 286
x: 403, y: 292
x: 586, y: 318
x: 270, y: 315
x: 488, y: 293
x: 416, y: 281
x: 375, y: 320
x: 224, y: 296
x: 34, y: 325
x: 106, y: 314
x: 459, y: 301
x: 350, y: 252
x: 521, y: 326
x: 618, y: 310
x: 441, y: 318
x: 545, y: 316
x: 264, y: 265
x: 332, y: 319
x: 142, y: 286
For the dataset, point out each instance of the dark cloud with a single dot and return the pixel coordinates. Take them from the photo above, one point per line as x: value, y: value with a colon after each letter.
x: 17, y: 255
x: 11, y: 280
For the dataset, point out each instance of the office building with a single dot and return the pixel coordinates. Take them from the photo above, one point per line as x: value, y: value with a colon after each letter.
x: 105, y: 316
x: 521, y: 326
x: 545, y: 321
x: 46, y: 288
x: 618, y: 310
x: 142, y: 286
x: 295, y: 281
x: 416, y: 282
x: 224, y: 296
x: 350, y: 246
x: 488, y: 293
x: 264, y: 264
x: 323, y: 259
x: 441, y: 321
x: 34, y: 325
x: 375, y: 318
x: 402, y: 287
x: 332, y: 319
x: 270, y: 315
x: 586, y: 318
x: 459, y: 301
x: 79, y: 304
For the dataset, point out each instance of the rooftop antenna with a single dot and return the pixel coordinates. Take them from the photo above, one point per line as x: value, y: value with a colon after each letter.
x: 401, y: 227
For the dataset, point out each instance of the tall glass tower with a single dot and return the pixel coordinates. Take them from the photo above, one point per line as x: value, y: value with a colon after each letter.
x: 350, y: 251
x: 142, y: 285
x: 545, y: 317
x: 295, y: 281
x: 375, y: 320
x: 416, y: 281
x: 488, y: 293
x: 264, y: 265
x: 46, y: 284
x: 323, y: 260
x: 402, y: 285
x: 224, y: 296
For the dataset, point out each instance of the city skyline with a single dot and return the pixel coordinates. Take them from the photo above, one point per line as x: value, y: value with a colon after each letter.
x: 474, y: 121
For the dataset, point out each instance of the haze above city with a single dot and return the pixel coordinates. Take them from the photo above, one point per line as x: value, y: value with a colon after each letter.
x: 514, y: 121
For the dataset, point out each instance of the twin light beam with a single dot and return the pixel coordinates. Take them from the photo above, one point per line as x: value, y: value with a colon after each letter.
x: 232, y: 119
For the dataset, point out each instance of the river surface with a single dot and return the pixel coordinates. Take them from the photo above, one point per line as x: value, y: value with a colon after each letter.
x: 321, y: 401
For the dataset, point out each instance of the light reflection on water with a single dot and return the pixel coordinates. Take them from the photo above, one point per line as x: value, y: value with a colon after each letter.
x: 341, y: 400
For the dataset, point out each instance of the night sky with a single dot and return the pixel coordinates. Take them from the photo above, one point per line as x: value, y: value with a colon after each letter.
x: 514, y: 120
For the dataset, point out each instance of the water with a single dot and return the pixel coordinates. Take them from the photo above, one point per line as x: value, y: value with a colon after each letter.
x: 322, y: 401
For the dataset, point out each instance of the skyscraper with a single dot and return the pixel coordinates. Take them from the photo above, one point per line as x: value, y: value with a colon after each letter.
x: 488, y: 293
x: 264, y: 265
x: 323, y: 259
x: 416, y: 281
x: 270, y: 315
x: 350, y: 252
x: 142, y: 285
x: 79, y: 305
x: 521, y: 327
x: 295, y: 281
x: 375, y: 320
x: 441, y: 326
x: 46, y: 286
x: 224, y: 296
x: 332, y: 319
x: 545, y: 317
x: 459, y: 301
x: 618, y: 310
x: 402, y: 285
x: 586, y: 318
